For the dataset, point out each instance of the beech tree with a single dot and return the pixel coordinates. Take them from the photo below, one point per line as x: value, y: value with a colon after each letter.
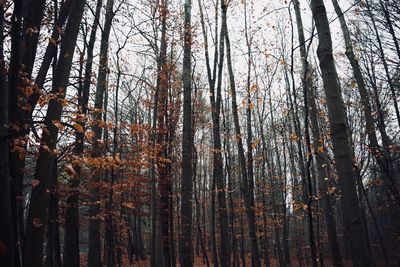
x: 340, y: 139
x: 215, y: 133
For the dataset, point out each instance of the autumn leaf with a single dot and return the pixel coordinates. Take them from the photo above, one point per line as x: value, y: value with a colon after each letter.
x: 255, y: 143
x: 253, y: 88
x: 78, y: 128
x: 52, y: 41
x: 294, y: 137
x: 129, y: 205
x: 36, y: 222
x: 65, y: 102
x: 331, y: 190
x: 31, y: 31
x: 59, y: 125
x: 28, y: 91
x: 71, y: 171
x: 42, y: 101
x: 35, y: 183
x: 89, y: 135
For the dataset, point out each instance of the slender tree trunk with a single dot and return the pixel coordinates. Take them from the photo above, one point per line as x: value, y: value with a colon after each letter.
x: 380, y: 116
x: 213, y: 234
x: 185, y: 247
x: 247, y: 187
x: 94, y: 258
x: 215, y: 99
x: 6, y: 225
x: 341, y: 142
x: 16, y: 156
x: 384, y: 161
x: 242, y: 246
x: 389, y: 23
x: 33, y: 245
x: 163, y: 162
x: 71, y: 233
x: 249, y: 107
x: 320, y: 156
x: 51, y: 51
x: 31, y: 30
x: 53, y: 233
x: 385, y: 65
x: 322, y: 163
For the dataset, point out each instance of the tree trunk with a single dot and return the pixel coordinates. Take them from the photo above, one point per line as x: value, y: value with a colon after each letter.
x: 6, y: 225
x: 16, y: 156
x: 94, y: 258
x: 247, y: 187
x: 185, y: 247
x: 320, y: 156
x: 51, y: 51
x: 384, y: 161
x: 323, y: 175
x: 53, y: 233
x: 385, y: 65
x: 71, y: 234
x: 340, y: 139
x: 215, y: 99
x: 389, y: 23
x: 33, y: 245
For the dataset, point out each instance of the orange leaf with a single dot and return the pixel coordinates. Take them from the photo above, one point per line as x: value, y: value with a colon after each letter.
x: 294, y: 137
x: 71, y: 171
x: 58, y: 124
x: 35, y: 183
x: 78, y: 128
x: 36, y: 222
x: 89, y: 135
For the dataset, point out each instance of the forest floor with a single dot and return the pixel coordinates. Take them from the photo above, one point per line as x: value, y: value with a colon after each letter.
x: 198, y: 262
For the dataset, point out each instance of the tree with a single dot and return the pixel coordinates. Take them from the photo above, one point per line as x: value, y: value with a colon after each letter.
x: 164, y: 150
x: 215, y: 100
x: 6, y: 227
x: 186, y: 246
x: 246, y: 183
x: 94, y: 258
x: 33, y: 245
x: 340, y: 139
x: 319, y: 150
x: 71, y: 236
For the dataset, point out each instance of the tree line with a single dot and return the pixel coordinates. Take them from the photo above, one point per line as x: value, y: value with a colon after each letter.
x: 199, y: 133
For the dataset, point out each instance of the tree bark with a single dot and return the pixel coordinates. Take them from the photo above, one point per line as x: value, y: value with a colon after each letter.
x: 384, y: 62
x: 94, y: 257
x: 246, y: 185
x: 215, y: 99
x: 6, y: 226
x: 383, y: 159
x: 16, y: 156
x: 71, y: 234
x: 185, y: 247
x: 340, y: 139
x: 33, y: 245
x: 320, y: 156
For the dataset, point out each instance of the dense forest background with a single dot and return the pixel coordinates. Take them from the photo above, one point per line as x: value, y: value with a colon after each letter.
x: 199, y: 133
